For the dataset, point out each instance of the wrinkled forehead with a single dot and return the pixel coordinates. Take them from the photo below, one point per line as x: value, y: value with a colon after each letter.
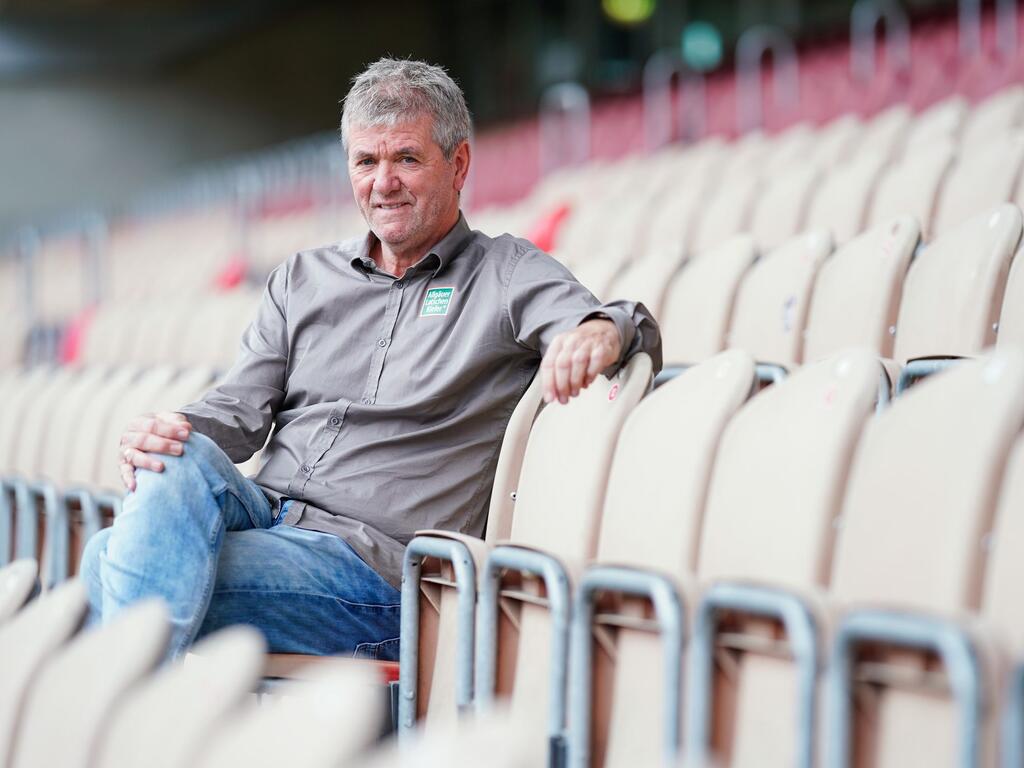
x: 389, y: 129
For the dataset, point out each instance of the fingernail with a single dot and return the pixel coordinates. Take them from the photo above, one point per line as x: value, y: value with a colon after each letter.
x: 159, y: 467
x: 182, y: 434
x: 176, y: 449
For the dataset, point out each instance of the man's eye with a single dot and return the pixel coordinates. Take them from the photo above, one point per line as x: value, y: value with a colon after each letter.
x: 366, y: 161
x: 408, y: 160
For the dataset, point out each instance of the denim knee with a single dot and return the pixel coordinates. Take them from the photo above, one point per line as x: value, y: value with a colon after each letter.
x: 200, y: 453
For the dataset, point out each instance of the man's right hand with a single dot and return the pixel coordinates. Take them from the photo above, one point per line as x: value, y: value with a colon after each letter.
x: 149, y: 434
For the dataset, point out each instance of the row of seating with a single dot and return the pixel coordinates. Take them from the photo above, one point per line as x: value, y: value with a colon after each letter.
x: 839, y: 586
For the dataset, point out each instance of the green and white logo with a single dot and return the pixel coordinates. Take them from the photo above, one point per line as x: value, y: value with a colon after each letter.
x: 436, y: 302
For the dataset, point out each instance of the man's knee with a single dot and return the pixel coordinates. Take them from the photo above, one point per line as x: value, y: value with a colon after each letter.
x: 201, y: 456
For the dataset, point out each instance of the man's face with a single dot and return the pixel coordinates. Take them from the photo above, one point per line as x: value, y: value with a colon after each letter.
x: 406, y: 189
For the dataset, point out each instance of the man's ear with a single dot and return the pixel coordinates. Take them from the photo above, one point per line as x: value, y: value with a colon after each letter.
x: 461, y: 161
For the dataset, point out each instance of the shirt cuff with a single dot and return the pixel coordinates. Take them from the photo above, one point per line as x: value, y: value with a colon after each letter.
x: 627, y: 330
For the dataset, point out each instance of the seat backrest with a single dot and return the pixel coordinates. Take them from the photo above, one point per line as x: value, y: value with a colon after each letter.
x: 923, y: 489
x: 954, y: 288
x: 780, y: 474
x: 700, y: 300
x: 727, y: 212
x: 837, y: 140
x: 773, y: 299
x: 788, y: 148
x: 565, y: 470
x: 911, y: 186
x: 650, y: 521
x: 857, y: 294
x: 17, y: 582
x: 1001, y: 605
x: 647, y: 280
x: 840, y: 203
x: 166, y: 720
x: 981, y: 179
x: 780, y: 211
x: 885, y: 133
x: 20, y: 392
x: 27, y: 642
x: 315, y: 723
x: 95, y: 669
x: 78, y: 456
x: 1011, y: 316
x: 67, y: 420
x: 996, y: 115
x: 510, y: 463
x: 942, y: 120
x: 35, y: 418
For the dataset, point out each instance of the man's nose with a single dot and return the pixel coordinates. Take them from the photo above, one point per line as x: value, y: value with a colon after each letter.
x: 386, y: 179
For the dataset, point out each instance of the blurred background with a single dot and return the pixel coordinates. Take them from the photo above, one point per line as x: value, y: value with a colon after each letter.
x: 103, y: 100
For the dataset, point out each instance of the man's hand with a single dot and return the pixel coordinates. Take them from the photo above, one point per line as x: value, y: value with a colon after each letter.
x: 151, y: 433
x: 576, y: 357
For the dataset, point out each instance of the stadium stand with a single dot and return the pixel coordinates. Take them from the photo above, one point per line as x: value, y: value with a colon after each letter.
x: 829, y: 578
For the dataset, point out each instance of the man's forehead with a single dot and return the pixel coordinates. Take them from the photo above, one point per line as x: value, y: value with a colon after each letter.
x: 414, y: 132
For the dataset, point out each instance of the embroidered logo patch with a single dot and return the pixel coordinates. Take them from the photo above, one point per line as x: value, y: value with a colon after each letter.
x: 436, y: 302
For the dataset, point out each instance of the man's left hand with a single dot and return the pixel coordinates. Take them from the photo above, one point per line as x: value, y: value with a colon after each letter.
x: 576, y: 357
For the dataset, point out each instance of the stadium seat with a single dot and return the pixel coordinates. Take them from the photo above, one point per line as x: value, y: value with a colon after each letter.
x: 69, y: 703
x: 526, y: 584
x: 983, y: 177
x: 842, y: 200
x: 837, y: 140
x: 954, y: 289
x: 767, y: 540
x: 167, y: 720
x: 942, y: 120
x: 646, y: 280
x: 727, y: 211
x: 856, y: 297
x: 1011, y: 317
x: 646, y: 553
x: 17, y: 583
x: 1000, y: 113
x: 781, y: 210
x: 774, y: 298
x: 884, y: 134
x: 27, y: 642
x: 699, y: 302
x: 910, y: 560
x: 911, y: 186
x: 312, y: 724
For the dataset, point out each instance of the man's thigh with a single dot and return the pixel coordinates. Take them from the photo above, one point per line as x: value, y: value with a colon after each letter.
x: 307, y: 592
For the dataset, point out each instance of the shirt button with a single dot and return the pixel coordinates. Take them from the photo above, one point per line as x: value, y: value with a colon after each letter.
x: 335, y: 421
x: 305, y: 468
x: 382, y: 342
x: 399, y: 285
x: 366, y: 401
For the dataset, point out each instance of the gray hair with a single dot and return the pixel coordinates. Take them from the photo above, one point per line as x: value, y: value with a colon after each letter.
x: 390, y: 91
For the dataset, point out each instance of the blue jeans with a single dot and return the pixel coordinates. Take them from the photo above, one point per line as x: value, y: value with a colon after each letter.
x: 205, y: 539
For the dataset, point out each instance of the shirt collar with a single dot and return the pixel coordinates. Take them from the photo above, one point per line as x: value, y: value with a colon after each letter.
x: 441, y: 254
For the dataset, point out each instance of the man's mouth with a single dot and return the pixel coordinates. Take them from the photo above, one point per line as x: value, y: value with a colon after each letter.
x: 390, y: 206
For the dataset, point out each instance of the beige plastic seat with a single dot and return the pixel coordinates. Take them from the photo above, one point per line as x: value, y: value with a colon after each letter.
x: 885, y: 133
x: 1011, y: 317
x: 774, y: 498
x: 27, y: 641
x: 326, y: 721
x: 842, y: 200
x: 111, y: 333
x: 856, y: 296
x: 599, y: 273
x: 920, y: 503
x: 558, y: 513
x: 981, y: 179
x: 699, y: 302
x: 912, y: 185
x: 954, y: 289
x: 995, y: 116
x: 727, y: 211
x: 438, y: 612
x: 68, y: 706
x: 647, y: 281
x: 20, y: 392
x: 837, y: 141
x: 774, y: 298
x: 781, y: 210
x: 653, y: 525
x: 943, y: 120
x: 167, y: 720
x: 17, y: 582
x: 66, y: 421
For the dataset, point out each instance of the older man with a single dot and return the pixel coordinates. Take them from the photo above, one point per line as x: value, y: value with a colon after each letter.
x: 386, y: 368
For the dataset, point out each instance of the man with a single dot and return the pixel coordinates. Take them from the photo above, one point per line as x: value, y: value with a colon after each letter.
x: 387, y: 368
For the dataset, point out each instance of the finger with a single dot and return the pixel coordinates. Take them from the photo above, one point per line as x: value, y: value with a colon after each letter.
x: 175, y: 417
x: 547, y: 369
x: 127, y: 475
x: 173, y: 429
x: 150, y: 443
x: 580, y: 366
x: 137, y: 458
x: 563, y: 367
x: 598, y: 362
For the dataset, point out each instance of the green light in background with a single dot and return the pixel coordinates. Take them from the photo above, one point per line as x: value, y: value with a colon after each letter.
x: 629, y: 11
x: 701, y: 46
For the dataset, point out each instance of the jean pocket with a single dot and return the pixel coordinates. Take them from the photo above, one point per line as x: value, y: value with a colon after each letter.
x: 386, y: 650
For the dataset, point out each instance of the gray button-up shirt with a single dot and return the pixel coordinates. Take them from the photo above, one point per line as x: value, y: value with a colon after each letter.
x: 388, y: 398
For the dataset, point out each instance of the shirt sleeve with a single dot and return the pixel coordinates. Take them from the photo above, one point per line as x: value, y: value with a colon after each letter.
x: 544, y: 299
x: 238, y: 413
